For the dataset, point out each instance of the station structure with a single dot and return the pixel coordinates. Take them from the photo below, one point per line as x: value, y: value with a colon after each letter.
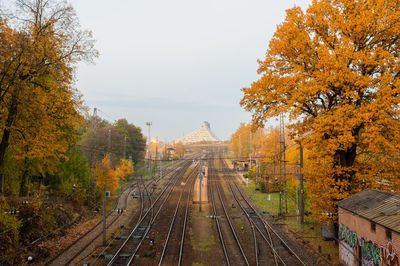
x: 369, y: 228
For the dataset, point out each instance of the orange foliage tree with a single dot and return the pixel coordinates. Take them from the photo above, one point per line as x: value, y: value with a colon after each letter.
x: 124, y: 169
x: 106, y: 175
x: 334, y: 70
x: 39, y: 106
x: 240, y: 145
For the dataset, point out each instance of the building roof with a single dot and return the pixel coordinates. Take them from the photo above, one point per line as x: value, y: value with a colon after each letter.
x: 203, y: 134
x: 380, y: 207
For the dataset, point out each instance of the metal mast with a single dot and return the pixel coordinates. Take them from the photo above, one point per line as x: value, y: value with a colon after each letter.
x: 149, y: 145
x: 282, y: 162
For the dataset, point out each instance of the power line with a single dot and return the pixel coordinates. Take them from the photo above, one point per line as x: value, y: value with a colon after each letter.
x: 107, y: 115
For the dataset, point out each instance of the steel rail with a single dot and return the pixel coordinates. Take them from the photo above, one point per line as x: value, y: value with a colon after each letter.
x: 91, y: 230
x: 116, y: 255
x: 184, y: 224
x: 170, y: 169
x: 112, y: 222
x: 268, y: 226
x: 131, y: 258
x: 253, y: 224
x: 145, y: 189
x: 191, y: 175
x: 217, y: 221
x: 230, y: 223
x: 248, y: 219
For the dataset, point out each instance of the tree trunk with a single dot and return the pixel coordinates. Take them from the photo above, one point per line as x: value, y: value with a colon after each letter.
x: 345, y: 159
x: 12, y: 114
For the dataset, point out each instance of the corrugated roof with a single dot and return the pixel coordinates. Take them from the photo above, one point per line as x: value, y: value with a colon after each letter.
x: 381, y: 207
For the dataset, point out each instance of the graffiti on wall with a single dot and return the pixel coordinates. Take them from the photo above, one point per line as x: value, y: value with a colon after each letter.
x: 348, y: 236
x: 346, y: 254
x: 371, y: 253
x: 389, y: 256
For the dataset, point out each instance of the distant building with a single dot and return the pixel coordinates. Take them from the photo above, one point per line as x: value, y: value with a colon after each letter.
x: 369, y: 228
x: 171, y: 152
x: 204, y: 134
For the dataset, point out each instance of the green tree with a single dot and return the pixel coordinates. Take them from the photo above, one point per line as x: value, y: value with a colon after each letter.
x: 134, y: 141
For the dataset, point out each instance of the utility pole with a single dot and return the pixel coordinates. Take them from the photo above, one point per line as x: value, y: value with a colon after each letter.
x: 240, y: 148
x: 93, y: 162
x: 156, y: 156
x: 109, y: 141
x: 257, y: 169
x: 301, y: 191
x: 200, y: 183
x: 149, y: 145
x: 104, y: 217
x: 250, y: 151
x: 282, y: 162
x: 161, y: 153
x: 124, y: 151
x: 297, y: 197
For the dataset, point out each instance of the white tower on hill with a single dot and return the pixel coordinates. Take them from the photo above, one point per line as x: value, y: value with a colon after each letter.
x: 203, y: 134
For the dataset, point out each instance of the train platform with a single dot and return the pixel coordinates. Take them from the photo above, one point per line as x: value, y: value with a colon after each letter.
x: 204, y: 189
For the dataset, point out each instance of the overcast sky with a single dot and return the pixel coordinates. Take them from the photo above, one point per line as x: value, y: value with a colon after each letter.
x: 176, y: 63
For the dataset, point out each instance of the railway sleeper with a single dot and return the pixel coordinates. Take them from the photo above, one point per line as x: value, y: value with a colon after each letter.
x: 109, y: 256
x: 122, y: 237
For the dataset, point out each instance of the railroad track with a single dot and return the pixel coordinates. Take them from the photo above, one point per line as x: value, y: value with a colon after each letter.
x: 143, y: 195
x: 134, y: 239
x: 229, y: 239
x: 283, y: 252
x: 126, y: 192
x: 88, y: 238
x: 170, y: 248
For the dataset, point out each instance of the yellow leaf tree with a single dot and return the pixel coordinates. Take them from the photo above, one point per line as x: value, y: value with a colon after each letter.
x: 39, y: 106
x: 335, y: 71
x: 105, y: 175
x: 124, y: 169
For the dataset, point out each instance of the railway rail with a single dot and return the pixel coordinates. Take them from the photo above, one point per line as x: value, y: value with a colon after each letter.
x: 126, y: 192
x: 282, y: 250
x: 129, y: 248
x: 88, y: 238
x: 172, y: 248
x: 225, y: 228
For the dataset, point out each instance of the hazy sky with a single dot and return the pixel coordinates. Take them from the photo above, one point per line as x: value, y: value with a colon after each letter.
x: 177, y: 62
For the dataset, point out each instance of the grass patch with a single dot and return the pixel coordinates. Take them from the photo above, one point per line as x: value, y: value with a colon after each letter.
x: 203, y: 245
x: 239, y: 222
x: 224, y: 187
x: 188, y: 172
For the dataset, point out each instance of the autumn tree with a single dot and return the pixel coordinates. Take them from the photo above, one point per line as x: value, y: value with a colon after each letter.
x: 39, y: 107
x: 246, y: 141
x: 134, y: 141
x: 334, y: 70
x: 124, y: 169
x: 109, y: 176
x: 179, y: 148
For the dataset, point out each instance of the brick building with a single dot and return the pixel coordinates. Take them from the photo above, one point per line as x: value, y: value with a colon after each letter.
x: 369, y: 228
